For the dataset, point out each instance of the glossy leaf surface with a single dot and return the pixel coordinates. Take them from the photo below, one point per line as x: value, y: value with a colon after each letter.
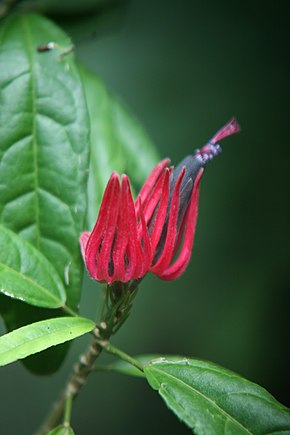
x: 38, y: 336
x: 25, y: 273
x: 43, y: 156
x: 213, y: 400
x: 118, y: 142
x: 44, y: 144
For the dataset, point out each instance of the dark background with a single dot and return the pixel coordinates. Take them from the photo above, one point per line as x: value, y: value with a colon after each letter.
x: 185, y: 68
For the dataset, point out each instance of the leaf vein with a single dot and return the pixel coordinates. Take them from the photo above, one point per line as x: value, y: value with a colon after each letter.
x: 6, y: 83
x: 57, y: 121
x: 34, y: 141
x: 216, y: 405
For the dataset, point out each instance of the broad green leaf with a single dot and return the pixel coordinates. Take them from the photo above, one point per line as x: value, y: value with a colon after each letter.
x: 26, y: 274
x: 38, y: 336
x: 44, y: 144
x: 62, y: 430
x: 43, y: 154
x: 118, y: 142
x: 213, y: 400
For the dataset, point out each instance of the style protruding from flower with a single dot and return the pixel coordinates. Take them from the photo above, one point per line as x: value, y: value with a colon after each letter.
x: 154, y: 233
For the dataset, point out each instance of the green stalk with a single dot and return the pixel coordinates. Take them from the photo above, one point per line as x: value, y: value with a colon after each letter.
x: 67, y: 412
x: 124, y: 356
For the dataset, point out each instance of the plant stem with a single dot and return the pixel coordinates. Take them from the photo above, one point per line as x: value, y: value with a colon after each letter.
x: 67, y: 413
x: 69, y: 311
x: 74, y: 384
x: 114, y: 316
x: 124, y: 356
x: 102, y: 303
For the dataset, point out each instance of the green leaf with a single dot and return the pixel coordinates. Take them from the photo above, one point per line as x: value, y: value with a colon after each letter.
x: 62, y: 430
x: 26, y: 274
x: 213, y: 400
x: 41, y: 335
x: 44, y: 144
x: 44, y: 149
x: 118, y: 142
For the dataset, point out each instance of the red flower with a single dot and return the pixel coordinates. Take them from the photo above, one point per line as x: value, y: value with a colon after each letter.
x: 155, y: 233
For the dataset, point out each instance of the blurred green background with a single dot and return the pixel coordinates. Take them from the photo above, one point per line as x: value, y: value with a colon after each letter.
x: 185, y: 68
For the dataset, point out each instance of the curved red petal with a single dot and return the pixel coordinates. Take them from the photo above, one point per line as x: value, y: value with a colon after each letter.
x: 151, y: 181
x: 161, y: 213
x: 83, y: 242
x: 169, y: 245
x: 230, y: 128
x: 134, y: 249
x: 127, y: 252
x: 178, y: 267
x: 121, y: 243
x: 144, y: 240
x: 153, y: 197
x: 98, y: 248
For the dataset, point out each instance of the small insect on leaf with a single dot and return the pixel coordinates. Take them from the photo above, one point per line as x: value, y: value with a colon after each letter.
x: 63, y: 51
x: 46, y: 47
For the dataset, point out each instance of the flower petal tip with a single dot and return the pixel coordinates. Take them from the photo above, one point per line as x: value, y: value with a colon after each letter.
x: 230, y: 128
x: 84, y: 237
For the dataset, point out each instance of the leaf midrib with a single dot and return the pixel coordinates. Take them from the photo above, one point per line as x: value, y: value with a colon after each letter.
x: 222, y: 411
x: 27, y: 34
x: 35, y: 339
